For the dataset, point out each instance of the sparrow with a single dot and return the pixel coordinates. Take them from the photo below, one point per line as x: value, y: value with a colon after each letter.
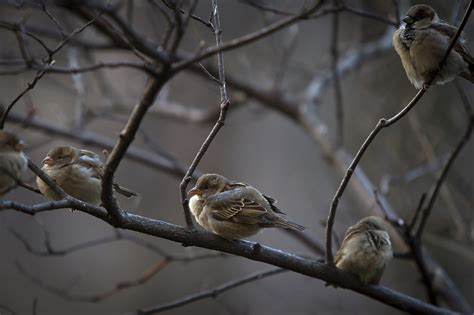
x: 365, y: 250
x: 233, y: 210
x: 13, y: 162
x: 422, y: 43
x: 78, y: 172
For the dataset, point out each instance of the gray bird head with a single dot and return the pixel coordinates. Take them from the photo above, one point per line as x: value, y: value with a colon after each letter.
x: 208, y: 184
x: 420, y: 16
x: 9, y: 142
x: 371, y: 223
x: 60, y: 156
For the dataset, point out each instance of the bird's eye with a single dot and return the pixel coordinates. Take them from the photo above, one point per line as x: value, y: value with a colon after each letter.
x: 205, y: 186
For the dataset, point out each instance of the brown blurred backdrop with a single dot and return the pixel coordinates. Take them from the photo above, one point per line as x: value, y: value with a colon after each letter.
x: 257, y: 145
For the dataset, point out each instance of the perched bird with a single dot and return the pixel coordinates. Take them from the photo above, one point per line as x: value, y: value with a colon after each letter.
x: 233, y: 210
x: 422, y: 43
x: 78, y: 172
x: 365, y: 250
x: 13, y: 163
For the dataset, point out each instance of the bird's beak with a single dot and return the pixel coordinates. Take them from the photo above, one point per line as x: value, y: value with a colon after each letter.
x: 20, y: 146
x: 408, y: 20
x: 194, y: 191
x: 47, y: 161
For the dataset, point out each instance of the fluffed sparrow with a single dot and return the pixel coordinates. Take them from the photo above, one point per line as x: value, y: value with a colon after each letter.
x: 13, y: 163
x: 233, y: 210
x: 78, y: 172
x: 365, y: 250
x: 422, y: 43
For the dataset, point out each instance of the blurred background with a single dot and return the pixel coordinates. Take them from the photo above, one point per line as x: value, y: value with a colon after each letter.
x: 258, y: 145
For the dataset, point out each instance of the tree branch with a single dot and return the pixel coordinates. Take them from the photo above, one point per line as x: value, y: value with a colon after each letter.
x: 210, y: 293
x: 126, y: 137
x: 246, y: 39
x: 224, y: 107
x: 311, y: 268
x: 155, y: 161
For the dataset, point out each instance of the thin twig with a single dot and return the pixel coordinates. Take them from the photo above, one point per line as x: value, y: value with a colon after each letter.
x: 396, y: 11
x: 192, y: 16
x: 50, y: 251
x: 7, y: 309
x: 246, y: 39
x: 416, y: 253
x: 429, y: 151
x: 224, y: 106
x: 155, y: 161
x: 338, y: 104
x: 41, y: 73
x: 210, y: 293
x: 35, y: 306
x: 29, y: 187
x: 126, y: 137
x: 440, y: 180
x: 383, y: 123
x: 52, y: 18
x: 146, y: 275
x: 418, y: 211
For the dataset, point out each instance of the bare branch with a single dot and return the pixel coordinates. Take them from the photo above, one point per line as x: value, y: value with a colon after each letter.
x: 429, y: 151
x: 146, y: 275
x: 193, y: 237
x: 155, y: 161
x: 7, y: 309
x: 117, y: 237
x: 439, y: 182
x: 383, y: 123
x: 336, y: 80
x: 224, y: 106
x: 126, y: 137
x: 417, y: 255
x: 41, y: 73
x: 15, y: 27
x: 172, y: 5
x: 52, y: 18
x: 396, y: 11
x: 264, y: 8
x: 89, y: 68
x: 210, y: 293
x: 249, y: 38
x: 335, y: 9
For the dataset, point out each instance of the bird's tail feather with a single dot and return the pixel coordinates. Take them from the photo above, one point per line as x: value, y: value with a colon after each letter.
x: 124, y: 191
x: 289, y: 225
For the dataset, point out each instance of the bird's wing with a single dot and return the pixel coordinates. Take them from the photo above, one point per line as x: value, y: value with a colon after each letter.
x: 460, y: 47
x: 234, y: 185
x: 92, y: 161
x: 271, y: 201
x: 351, y: 231
x: 238, y: 205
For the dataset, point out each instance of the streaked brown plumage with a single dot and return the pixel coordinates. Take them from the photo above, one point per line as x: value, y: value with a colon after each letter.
x: 365, y: 250
x: 233, y: 210
x: 422, y: 43
x: 78, y: 172
x: 13, y: 163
